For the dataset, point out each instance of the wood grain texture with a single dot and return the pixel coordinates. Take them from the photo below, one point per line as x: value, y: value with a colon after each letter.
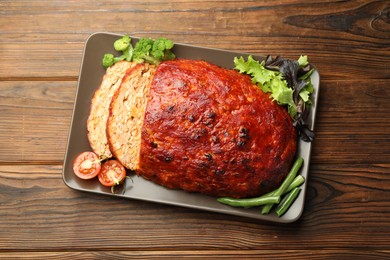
x: 340, y: 36
x: 212, y: 254
x: 35, y: 120
x: 347, y: 206
x: 353, y: 123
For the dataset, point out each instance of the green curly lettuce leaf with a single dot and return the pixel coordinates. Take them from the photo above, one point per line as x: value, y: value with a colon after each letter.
x: 287, y: 81
x: 269, y: 81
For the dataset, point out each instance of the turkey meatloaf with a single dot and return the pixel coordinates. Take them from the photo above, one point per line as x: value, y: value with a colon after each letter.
x: 194, y: 126
x: 126, y: 116
x: 210, y: 130
x: 97, y: 120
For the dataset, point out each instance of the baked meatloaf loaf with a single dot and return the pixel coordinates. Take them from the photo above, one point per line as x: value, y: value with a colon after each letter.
x: 191, y: 125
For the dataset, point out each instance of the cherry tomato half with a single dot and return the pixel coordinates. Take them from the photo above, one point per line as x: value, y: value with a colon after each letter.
x: 112, y: 173
x: 86, y: 165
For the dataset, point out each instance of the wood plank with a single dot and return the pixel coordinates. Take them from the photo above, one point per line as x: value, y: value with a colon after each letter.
x: 345, y: 205
x: 289, y: 29
x: 35, y: 120
x: 353, y: 123
x: 209, y: 254
x: 36, y: 116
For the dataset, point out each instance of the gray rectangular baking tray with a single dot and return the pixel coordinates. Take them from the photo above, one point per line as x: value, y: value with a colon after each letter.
x: 91, y: 74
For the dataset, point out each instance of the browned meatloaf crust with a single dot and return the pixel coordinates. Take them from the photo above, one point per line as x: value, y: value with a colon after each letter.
x: 210, y: 130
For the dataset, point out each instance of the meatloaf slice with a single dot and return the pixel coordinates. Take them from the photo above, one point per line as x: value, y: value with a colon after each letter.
x: 210, y: 130
x: 97, y: 120
x: 126, y: 115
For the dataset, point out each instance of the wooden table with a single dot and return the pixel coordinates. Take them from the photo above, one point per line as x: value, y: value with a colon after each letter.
x: 347, y: 207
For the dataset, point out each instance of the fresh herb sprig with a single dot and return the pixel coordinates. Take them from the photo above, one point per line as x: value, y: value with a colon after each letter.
x: 289, y: 83
x: 145, y: 50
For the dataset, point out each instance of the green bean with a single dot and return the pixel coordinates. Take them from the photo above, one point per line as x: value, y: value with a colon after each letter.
x: 250, y: 202
x: 266, y: 209
x: 270, y: 198
x: 298, y: 180
x: 290, y: 177
x: 295, y: 183
x: 287, y: 202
